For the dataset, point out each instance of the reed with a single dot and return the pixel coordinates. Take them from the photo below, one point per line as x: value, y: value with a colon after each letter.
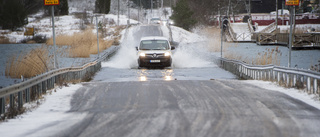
x: 30, y: 64
x: 82, y: 44
x: 267, y: 57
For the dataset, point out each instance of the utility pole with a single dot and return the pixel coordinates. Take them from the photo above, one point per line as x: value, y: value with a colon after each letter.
x: 290, y: 36
x: 228, y: 9
x: 139, y: 12
x: 118, y: 12
x: 282, y: 13
x: 151, y: 8
x: 250, y: 9
x: 52, y: 4
x: 54, y: 40
x: 128, y: 21
x: 277, y: 15
x: 221, y: 28
x: 97, y: 35
x: 292, y: 5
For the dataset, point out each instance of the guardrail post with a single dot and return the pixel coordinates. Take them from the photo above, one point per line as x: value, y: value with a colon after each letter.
x: 315, y: 86
x: 20, y: 100
x: 11, y: 98
x: 273, y: 75
x: 284, y: 76
x: 294, y: 82
x: 255, y: 74
x: 2, y: 105
x: 44, y: 87
x: 28, y: 95
x: 288, y: 79
x: 39, y: 89
x: 308, y: 84
x: 278, y: 77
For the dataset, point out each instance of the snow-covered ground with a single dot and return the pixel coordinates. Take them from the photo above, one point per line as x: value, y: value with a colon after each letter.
x: 51, y: 113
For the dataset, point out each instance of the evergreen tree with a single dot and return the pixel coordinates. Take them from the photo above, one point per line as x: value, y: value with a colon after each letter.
x: 182, y: 15
x: 103, y: 6
x: 12, y: 14
x: 63, y: 7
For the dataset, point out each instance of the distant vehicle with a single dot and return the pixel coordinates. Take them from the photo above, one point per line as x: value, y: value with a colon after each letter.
x: 154, y: 51
x: 167, y: 22
x: 155, y: 21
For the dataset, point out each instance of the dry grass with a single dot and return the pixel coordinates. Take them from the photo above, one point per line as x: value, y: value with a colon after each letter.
x: 267, y: 57
x: 82, y: 44
x: 30, y: 64
x: 38, y: 60
x: 4, y: 40
x: 270, y: 56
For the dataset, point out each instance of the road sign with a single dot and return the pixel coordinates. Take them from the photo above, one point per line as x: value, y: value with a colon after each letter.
x: 292, y: 2
x: 29, y: 32
x: 51, y: 2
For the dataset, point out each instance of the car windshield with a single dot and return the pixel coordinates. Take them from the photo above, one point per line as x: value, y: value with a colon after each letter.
x: 153, y: 19
x: 154, y: 45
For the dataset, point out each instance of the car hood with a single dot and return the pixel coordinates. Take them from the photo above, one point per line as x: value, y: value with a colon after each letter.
x: 154, y: 51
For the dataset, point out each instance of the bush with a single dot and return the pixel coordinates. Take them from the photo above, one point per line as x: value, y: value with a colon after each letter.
x: 182, y: 15
x: 36, y: 39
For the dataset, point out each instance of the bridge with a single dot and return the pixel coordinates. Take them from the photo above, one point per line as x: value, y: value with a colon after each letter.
x: 244, y: 32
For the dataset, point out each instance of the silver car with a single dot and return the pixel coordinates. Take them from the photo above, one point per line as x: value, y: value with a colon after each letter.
x: 154, y: 51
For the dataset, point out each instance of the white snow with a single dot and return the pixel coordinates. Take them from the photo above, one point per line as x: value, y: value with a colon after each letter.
x: 64, y: 25
x: 242, y: 31
x: 50, y: 117
x: 311, y: 99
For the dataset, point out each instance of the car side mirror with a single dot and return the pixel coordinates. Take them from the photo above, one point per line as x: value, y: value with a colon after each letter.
x: 172, y: 48
x: 137, y: 48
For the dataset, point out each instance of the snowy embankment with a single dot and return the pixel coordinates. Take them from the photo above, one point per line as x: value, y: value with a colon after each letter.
x: 64, y: 25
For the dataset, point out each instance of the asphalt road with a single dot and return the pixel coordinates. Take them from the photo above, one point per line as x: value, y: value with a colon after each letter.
x: 117, y: 105
x: 225, y: 108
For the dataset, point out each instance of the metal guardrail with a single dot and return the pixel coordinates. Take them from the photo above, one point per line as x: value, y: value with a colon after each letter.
x: 13, y: 97
x: 288, y: 77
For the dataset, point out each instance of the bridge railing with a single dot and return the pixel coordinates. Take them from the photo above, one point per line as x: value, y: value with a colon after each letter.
x: 288, y: 77
x: 250, y: 26
x: 269, y: 29
x: 230, y: 32
x: 13, y: 97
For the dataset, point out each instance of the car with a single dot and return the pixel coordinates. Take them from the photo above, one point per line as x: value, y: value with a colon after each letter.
x: 154, y: 51
x: 155, y: 21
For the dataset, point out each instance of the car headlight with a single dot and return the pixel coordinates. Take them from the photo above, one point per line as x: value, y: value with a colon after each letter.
x: 167, y: 54
x: 142, y: 54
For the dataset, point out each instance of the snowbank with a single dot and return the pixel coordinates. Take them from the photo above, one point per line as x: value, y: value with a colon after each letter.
x: 54, y: 110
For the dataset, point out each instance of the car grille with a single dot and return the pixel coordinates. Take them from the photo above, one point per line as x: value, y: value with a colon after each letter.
x: 155, y: 55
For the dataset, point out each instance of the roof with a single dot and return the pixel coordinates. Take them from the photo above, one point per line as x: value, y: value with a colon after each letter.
x: 154, y: 38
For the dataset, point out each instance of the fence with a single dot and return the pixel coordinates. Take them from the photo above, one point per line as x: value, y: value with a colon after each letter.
x: 289, y: 77
x: 13, y: 97
x: 300, y: 39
